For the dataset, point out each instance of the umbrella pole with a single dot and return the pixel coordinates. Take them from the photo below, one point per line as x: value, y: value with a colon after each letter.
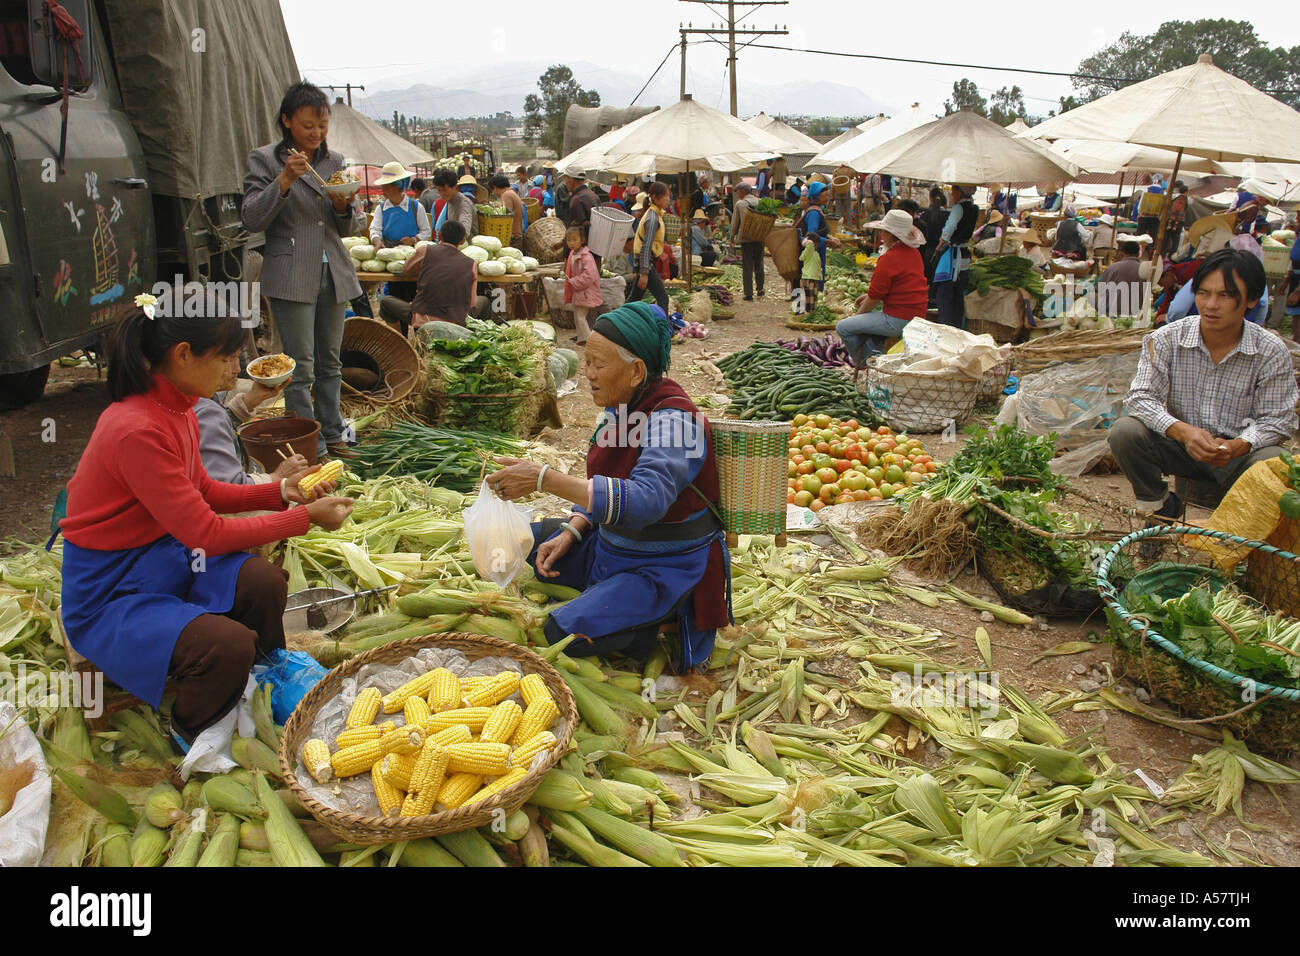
x: 684, y: 181
x: 1114, y: 224
x: 1164, y: 216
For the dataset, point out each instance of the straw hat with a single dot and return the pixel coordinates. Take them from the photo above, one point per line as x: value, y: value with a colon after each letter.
x: 393, y: 172
x: 1032, y: 237
x: 1224, y: 220
x: 898, y: 223
x: 480, y: 193
x: 639, y: 205
x: 699, y: 215
x: 995, y: 217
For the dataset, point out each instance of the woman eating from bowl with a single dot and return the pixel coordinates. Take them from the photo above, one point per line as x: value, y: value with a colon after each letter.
x: 159, y: 589
x: 644, y: 543
x: 307, y: 274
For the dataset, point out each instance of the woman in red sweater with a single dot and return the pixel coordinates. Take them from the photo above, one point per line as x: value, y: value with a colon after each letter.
x: 157, y: 587
x: 898, y: 290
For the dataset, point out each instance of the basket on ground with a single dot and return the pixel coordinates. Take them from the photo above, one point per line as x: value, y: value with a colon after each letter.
x: 994, y: 381
x: 909, y: 401
x: 1002, y: 334
x: 498, y: 227
x: 392, y: 356
x: 1264, y: 715
x: 370, y: 830
x: 753, y: 467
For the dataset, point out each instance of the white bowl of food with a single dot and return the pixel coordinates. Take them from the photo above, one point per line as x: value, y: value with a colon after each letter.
x: 271, y: 370
x: 342, y: 184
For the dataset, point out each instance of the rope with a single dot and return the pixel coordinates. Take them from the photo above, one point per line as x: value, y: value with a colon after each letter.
x: 69, y: 34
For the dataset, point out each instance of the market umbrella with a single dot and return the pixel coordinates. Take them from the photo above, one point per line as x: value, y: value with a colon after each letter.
x: 851, y: 152
x: 797, y: 143
x: 1017, y: 126
x: 844, y: 137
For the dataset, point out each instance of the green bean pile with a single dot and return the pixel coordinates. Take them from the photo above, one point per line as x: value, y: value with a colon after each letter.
x: 771, y: 382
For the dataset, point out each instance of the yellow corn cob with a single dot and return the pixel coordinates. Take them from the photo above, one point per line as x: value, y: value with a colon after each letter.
x: 533, y: 688
x: 446, y: 691
x: 458, y: 788
x: 488, y: 760
x: 329, y: 472
x: 500, y: 727
x: 416, y: 711
x: 316, y: 758
x: 472, y: 717
x: 397, y: 769
x: 522, y: 756
x: 493, y: 691
x: 357, y: 735
x: 394, y: 702
x: 469, y: 683
x: 386, y: 726
x: 402, y: 740
x: 458, y: 734
x: 538, y: 717
x: 390, y: 798
x: 426, y: 781
x: 364, y: 708
x: 496, y: 786
x: 357, y: 759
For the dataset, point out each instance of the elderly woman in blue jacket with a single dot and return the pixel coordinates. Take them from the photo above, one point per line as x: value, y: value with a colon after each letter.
x: 307, y: 274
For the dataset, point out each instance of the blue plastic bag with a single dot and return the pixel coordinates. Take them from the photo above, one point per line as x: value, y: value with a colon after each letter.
x: 291, y: 675
x: 944, y: 268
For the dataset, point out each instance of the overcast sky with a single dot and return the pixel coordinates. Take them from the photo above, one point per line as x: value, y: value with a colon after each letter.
x: 634, y: 37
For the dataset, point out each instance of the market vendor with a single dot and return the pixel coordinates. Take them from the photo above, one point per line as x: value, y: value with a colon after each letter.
x: 399, y: 220
x: 457, y: 207
x: 753, y: 273
x: 1071, y: 240
x: 645, y: 543
x: 898, y: 292
x: 1051, y: 198
x: 1120, y: 287
x: 446, y: 286
x: 702, y: 238
x: 582, y: 200
x: 500, y: 187
x: 955, y: 256
x: 1212, y: 396
x: 218, y: 418
x: 159, y: 591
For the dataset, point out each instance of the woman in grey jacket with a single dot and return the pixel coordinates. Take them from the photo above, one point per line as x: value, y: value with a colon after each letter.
x: 307, y: 274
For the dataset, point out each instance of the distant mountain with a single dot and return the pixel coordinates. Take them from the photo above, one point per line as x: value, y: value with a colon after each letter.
x: 502, y: 88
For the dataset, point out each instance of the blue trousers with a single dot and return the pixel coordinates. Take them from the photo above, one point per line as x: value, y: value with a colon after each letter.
x: 864, y: 335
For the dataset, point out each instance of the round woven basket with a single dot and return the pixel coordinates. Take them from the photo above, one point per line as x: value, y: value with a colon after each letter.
x: 371, y: 830
x: 754, y: 226
x: 541, y: 238
x: 918, y: 403
x: 1002, y: 334
x: 533, y: 209
x: 994, y: 381
x: 399, y: 366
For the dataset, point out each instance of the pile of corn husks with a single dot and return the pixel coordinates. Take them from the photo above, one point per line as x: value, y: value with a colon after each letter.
x: 823, y: 733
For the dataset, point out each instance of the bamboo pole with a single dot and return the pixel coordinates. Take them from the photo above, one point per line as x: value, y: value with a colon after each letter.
x: 1164, y: 215
x: 684, y: 183
x: 1114, y: 224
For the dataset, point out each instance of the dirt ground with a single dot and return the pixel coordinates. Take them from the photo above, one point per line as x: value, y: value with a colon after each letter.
x: 75, y: 397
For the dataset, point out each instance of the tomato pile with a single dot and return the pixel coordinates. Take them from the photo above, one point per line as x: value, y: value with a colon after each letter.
x: 834, y: 462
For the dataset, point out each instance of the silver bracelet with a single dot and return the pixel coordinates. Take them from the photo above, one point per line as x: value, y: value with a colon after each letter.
x: 542, y: 474
x: 568, y: 526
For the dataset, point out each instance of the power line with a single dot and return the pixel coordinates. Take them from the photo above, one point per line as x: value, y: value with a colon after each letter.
x: 671, y: 50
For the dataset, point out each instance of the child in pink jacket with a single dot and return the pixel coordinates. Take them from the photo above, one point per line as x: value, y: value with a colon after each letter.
x: 581, y: 282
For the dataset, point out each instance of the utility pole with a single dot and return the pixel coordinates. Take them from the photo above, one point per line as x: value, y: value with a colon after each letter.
x: 349, y: 87
x: 731, y: 32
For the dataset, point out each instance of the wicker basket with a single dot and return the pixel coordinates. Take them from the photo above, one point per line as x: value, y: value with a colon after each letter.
x: 1267, y: 718
x: 994, y: 381
x: 753, y: 464
x: 1036, y: 354
x: 542, y: 237
x: 918, y: 403
x: 398, y: 365
x: 368, y: 830
x: 499, y: 227
x: 1002, y: 334
x: 532, y: 209
x: 754, y: 226
x: 673, y: 228
x: 1273, y: 579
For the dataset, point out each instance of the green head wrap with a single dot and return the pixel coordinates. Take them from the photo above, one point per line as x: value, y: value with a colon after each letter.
x: 642, y: 330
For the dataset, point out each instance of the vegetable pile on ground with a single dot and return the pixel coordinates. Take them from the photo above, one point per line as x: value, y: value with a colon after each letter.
x: 821, y: 316
x: 1007, y: 272
x: 770, y: 382
x: 491, y: 381
x: 827, y: 351
x: 836, y: 463
x: 450, y: 458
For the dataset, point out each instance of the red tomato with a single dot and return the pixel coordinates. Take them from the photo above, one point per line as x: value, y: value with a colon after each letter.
x: 843, y: 465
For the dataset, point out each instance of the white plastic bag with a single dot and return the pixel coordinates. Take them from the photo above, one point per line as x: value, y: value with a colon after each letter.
x: 23, y: 828
x: 931, y: 348
x: 210, y: 752
x: 499, y: 537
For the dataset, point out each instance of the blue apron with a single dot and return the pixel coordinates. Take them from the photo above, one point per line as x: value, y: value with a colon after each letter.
x: 628, y: 584
x: 400, y: 223
x: 124, y: 610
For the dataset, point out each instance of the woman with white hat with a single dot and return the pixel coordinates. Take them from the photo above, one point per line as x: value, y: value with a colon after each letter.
x: 898, y: 292
x: 400, y: 220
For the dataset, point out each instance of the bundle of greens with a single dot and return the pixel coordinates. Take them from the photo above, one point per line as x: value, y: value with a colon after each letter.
x: 768, y: 207
x: 487, y: 382
x: 492, y: 209
x: 838, y: 260
x: 450, y: 458
x: 1007, y: 272
x: 987, y: 461
x: 1039, y: 560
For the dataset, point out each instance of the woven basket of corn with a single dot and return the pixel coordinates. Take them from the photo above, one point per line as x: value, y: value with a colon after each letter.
x: 375, y: 829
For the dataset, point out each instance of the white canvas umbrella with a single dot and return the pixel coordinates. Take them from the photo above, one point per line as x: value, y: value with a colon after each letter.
x: 1017, y: 126
x: 1095, y: 156
x: 363, y: 142
x: 850, y: 152
x: 797, y: 143
x: 844, y: 137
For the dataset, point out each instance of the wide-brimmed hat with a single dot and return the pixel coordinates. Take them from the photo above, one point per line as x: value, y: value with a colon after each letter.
x: 1029, y: 237
x: 393, y: 172
x: 698, y: 215
x: 641, y: 199
x: 899, y: 224
x: 480, y: 193
x: 574, y: 172
x: 995, y: 217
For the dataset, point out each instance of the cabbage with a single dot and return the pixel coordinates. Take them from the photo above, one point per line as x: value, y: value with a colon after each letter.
x: 350, y: 241
x: 491, y: 243
x: 515, y: 267
x: 373, y: 265
x: 477, y: 253
x: 492, y: 269
x: 362, y: 251
x: 396, y: 266
x: 530, y: 263
x: 391, y: 254
x: 422, y: 243
x: 510, y: 252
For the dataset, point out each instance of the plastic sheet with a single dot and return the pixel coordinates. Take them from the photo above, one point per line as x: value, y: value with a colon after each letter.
x: 1072, y: 397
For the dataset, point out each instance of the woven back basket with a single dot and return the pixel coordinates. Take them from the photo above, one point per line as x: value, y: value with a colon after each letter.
x: 532, y: 209
x: 753, y: 467
x: 918, y: 403
x: 399, y: 367
x: 754, y: 226
x: 541, y: 239
x: 371, y: 830
x: 673, y: 228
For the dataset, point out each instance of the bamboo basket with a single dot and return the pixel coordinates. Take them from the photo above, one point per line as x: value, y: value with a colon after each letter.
x: 754, y: 226
x: 542, y: 237
x: 498, y: 227
x: 1002, y: 334
x: 753, y: 463
x: 1036, y: 354
x: 533, y: 209
x: 994, y: 380
x: 399, y: 366
x: 371, y: 830
x: 918, y: 403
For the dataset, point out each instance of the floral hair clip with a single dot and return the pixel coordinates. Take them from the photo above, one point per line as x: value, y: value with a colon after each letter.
x: 146, y: 303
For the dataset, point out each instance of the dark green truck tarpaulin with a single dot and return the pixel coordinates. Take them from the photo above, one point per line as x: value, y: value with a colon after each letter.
x: 199, y: 113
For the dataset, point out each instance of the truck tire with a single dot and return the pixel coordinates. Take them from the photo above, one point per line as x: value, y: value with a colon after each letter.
x: 22, y: 388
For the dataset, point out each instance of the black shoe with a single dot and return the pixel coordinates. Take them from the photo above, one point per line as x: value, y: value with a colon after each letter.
x: 747, y: 298
x: 1171, y: 509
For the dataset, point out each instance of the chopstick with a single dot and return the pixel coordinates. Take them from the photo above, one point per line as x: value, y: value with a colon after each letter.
x: 279, y: 451
x: 310, y: 168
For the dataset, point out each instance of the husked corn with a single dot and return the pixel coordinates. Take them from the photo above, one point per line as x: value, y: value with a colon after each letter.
x: 402, y: 740
x: 538, y: 717
x: 397, y: 769
x: 485, y: 759
x: 316, y: 758
x: 389, y: 797
x: 522, y: 756
x: 458, y: 788
x: 426, y: 781
x: 472, y: 717
x: 416, y: 711
x: 365, y: 708
x: 533, y: 688
x: 357, y: 735
x: 419, y: 686
x: 459, y: 734
x: 357, y: 759
x: 492, y: 691
x: 445, y: 692
x: 508, y: 779
x: 500, y: 727
x: 329, y: 472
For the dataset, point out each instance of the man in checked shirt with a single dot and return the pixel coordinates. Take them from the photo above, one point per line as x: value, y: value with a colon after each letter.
x: 1213, y: 394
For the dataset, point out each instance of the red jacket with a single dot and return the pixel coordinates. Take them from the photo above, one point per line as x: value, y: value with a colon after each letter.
x: 582, y: 280
x: 141, y: 478
x: 899, y: 283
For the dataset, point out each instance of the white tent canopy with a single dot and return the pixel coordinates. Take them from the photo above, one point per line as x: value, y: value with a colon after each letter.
x: 1199, y: 109
x: 362, y: 141
x: 1115, y: 158
x: 850, y: 152
x: 1017, y: 126
x: 797, y: 143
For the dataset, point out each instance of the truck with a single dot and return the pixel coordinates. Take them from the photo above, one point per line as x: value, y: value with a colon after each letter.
x: 125, y: 127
